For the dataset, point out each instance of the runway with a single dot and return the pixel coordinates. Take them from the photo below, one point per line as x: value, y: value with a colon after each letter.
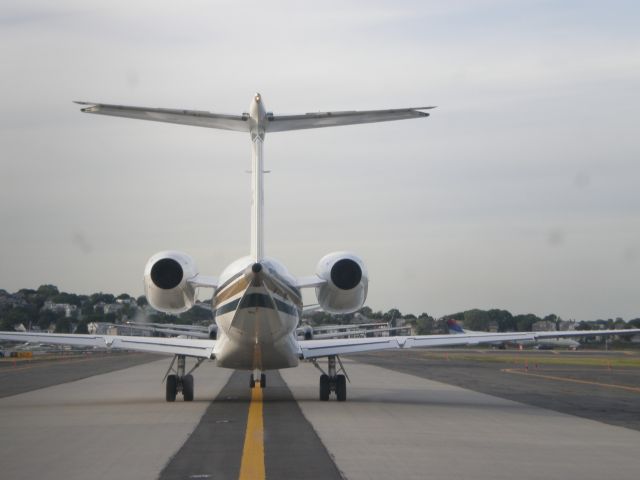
x: 394, y: 425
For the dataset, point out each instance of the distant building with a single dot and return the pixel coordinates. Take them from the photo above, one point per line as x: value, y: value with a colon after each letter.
x: 543, y: 326
x: 127, y: 301
x: 112, y: 308
x: 8, y: 300
x: 566, y: 325
x: 66, y: 308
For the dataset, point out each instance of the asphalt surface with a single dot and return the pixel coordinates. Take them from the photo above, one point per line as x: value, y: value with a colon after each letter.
x: 407, y: 416
x: 214, y: 450
x: 26, y: 375
x: 545, y: 386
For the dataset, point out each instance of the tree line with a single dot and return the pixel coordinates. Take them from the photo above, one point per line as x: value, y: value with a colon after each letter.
x: 26, y: 307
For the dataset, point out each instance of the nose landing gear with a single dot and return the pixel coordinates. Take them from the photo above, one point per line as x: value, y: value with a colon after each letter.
x: 253, y: 380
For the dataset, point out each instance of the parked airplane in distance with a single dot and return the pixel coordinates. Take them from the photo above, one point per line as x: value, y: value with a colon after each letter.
x: 257, y: 302
x: 456, y: 328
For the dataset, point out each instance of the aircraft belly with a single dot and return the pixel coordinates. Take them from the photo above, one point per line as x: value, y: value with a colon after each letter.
x: 257, y: 339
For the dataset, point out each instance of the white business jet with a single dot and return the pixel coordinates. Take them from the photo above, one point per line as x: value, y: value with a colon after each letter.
x: 257, y: 302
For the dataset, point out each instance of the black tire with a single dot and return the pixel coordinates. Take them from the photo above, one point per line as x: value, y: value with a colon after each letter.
x: 187, y: 388
x: 171, y: 388
x: 341, y: 388
x: 263, y: 380
x: 252, y: 381
x: 324, y: 387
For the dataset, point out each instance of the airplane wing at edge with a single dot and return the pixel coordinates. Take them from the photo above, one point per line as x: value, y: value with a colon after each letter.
x: 195, y: 118
x: 171, y: 346
x: 323, y: 348
x: 283, y: 123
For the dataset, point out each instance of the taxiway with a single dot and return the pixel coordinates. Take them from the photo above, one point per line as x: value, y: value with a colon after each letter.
x: 397, y: 423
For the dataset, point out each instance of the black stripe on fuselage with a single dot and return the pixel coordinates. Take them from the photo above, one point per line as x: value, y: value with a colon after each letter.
x: 253, y: 300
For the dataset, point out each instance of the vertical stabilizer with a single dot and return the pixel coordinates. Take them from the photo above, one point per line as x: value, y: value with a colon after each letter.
x: 257, y: 200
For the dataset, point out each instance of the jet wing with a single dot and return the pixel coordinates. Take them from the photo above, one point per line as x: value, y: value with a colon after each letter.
x: 176, y: 332
x: 323, y: 348
x: 171, y: 346
x: 283, y: 123
x: 176, y: 326
x: 196, y: 118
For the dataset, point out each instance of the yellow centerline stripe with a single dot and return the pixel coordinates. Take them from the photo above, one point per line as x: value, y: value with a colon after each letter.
x: 574, y: 380
x: 252, y: 466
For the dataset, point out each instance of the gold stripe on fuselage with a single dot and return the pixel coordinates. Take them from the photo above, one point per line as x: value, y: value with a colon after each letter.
x: 273, y: 284
x: 232, y: 289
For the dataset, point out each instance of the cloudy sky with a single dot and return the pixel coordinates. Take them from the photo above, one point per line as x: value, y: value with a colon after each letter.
x: 519, y: 192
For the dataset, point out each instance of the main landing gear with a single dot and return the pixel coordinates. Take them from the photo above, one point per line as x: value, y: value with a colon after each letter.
x: 253, y: 380
x: 332, y: 381
x: 179, y: 382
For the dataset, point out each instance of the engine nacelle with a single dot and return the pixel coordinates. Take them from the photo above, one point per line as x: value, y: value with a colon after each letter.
x: 347, y: 283
x: 165, y: 282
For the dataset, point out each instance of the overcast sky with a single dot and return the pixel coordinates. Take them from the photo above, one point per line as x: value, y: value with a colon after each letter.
x: 519, y: 192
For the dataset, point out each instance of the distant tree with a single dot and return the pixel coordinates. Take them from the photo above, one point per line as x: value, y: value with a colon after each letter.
x: 392, y: 316
x: 70, y: 298
x: 142, y: 301
x: 102, y: 297
x: 123, y: 296
x: 82, y: 327
x: 584, y: 326
x: 425, y: 324
x: 63, y: 325
x: 635, y: 323
x: 476, y: 320
x: 197, y: 315
x: 503, y: 318
x: 524, y: 322
x: 46, y: 318
x: 94, y: 317
x: 18, y: 315
x: 366, y: 311
x: 32, y: 297
x: 87, y: 308
x: 47, y: 291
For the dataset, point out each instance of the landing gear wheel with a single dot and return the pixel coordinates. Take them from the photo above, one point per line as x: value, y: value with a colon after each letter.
x: 252, y: 381
x: 341, y: 388
x: 263, y: 380
x: 187, y: 388
x: 324, y: 387
x: 172, y: 388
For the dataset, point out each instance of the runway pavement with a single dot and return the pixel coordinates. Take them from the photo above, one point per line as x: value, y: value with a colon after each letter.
x: 25, y: 375
x: 588, y: 384
x: 393, y: 425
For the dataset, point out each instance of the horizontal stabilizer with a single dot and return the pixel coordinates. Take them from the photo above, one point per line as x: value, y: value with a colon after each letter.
x: 282, y: 123
x: 197, y: 118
